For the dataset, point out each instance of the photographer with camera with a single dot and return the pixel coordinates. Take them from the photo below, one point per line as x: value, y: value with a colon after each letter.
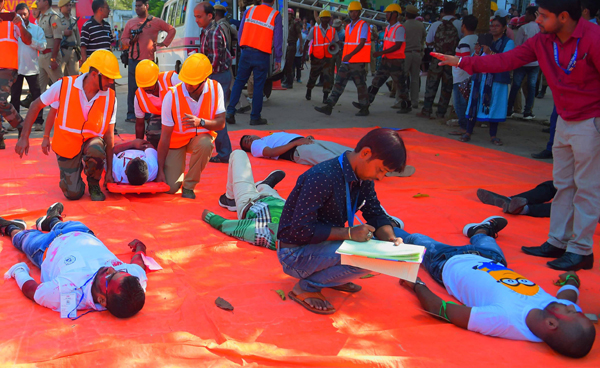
x: 139, y: 38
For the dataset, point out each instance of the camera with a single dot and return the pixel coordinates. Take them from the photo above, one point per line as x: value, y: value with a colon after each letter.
x: 136, y: 32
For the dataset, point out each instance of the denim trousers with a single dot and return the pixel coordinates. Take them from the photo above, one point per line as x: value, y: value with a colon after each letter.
x: 257, y: 63
x: 222, y: 142
x: 531, y: 72
x: 34, y: 242
x: 131, y: 87
x: 460, y: 106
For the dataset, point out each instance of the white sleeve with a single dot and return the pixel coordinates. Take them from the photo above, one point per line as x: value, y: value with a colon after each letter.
x: 52, y: 95
x: 165, y: 116
x: 175, y: 79
x: 47, y: 295
x: 221, y: 104
x: 431, y: 34
x: 139, y: 114
x: 117, y: 170
x: 38, y: 39
x: 490, y: 320
x: 152, y: 161
x: 400, y: 34
x: 113, y: 119
x: 257, y: 148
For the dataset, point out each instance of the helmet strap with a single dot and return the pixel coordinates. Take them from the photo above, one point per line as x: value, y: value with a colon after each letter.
x: 100, y: 81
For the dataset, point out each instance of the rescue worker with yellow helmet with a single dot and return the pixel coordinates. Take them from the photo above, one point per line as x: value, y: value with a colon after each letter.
x: 192, y: 112
x: 83, y: 125
x: 147, y: 103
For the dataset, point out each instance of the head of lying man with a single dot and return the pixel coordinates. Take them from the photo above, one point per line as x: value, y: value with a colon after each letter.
x: 380, y: 151
x: 119, y: 292
x: 246, y: 142
x: 564, y: 329
x: 137, y: 171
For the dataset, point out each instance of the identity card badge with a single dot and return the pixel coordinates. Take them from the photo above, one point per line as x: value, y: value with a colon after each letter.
x: 67, y: 305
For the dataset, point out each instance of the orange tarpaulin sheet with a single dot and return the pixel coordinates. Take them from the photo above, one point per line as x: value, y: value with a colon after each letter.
x: 382, y: 326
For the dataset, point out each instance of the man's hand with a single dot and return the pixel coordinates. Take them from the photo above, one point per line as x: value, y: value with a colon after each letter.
x: 22, y: 146
x: 53, y: 65
x: 18, y: 21
x: 205, y: 213
x: 137, y: 246
x: 410, y: 285
x: 303, y: 141
x: 14, y: 269
x: 161, y: 44
x: 67, y: 33
x: 346, y: 58
x: 446, y: 59
x: 362, y: 233
x: 108, y: 178
x: 487, y: 50
x: 46, y: 146
x: 140, y: 144
x: 397, y: 241
x: 160, y: 177
x: 191, y: 121
x: 377, y: 54
x: 573, y: 276
x: 277, y: 67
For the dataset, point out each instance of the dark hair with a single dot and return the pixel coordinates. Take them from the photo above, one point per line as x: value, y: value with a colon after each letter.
x: 387, y: 145
x: 137, y: 172
x: 241, y: 144
x: 573, y: 7
x: 129, y: 300
x: 470, y: 22
x: 21, y: 6
x: 531, y: 10
x: 49, y: 3
x: 410, y: 16
x: 208, y: 8
x: 572, y: 339
x: 591, y: 5
x: 220, y: 12
x: 145, y: 2
x: 97, y: 4
x: 501, y: 20
x: 449, y: 8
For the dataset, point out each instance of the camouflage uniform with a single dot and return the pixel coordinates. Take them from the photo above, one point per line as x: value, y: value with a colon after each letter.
x: 358, y: 73
x: 7, y: 110
x: 93, y: 154
x: 393, y: 68
x: 323, y: 66
x: 434, y: 75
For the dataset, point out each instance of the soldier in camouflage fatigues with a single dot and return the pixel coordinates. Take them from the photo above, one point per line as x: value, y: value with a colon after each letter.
x: 355, y: 71
x: 434, y: 75
x: 393, y: 68
x: 7, y: 110
x: 325, y: 67
x: 93, y: 154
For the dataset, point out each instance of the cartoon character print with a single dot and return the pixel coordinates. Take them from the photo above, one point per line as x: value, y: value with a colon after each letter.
x: 509, y: 278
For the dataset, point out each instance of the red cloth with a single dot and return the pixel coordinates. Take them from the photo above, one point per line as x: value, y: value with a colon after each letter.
x: 577, y: 95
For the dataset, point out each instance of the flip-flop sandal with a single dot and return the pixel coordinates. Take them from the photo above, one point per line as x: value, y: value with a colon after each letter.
x: 300, y: 299
x: 464, y: 138
x: 408, y: 171
x: 497, y: 141
x: 348, y: 288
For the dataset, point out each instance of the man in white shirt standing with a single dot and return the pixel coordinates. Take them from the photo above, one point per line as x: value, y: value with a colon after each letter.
x: 78, y: 272
x: 531, y: 70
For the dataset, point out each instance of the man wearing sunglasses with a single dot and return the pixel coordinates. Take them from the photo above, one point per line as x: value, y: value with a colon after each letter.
x: 75, y: 265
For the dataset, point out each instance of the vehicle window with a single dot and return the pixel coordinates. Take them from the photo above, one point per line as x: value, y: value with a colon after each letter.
x: 181, y: 10
x: 164, y: 13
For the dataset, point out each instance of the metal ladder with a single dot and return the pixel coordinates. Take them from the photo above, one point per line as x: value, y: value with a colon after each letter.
x: 370, y: 16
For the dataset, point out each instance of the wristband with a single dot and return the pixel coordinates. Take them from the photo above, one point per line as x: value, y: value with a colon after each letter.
x: 349, y: 234
x: 443, y: 310
x: 46, y: 136
x: 568, y: 287
x: 574, y: 277
x: 139, y: 253
x: 21, y: 277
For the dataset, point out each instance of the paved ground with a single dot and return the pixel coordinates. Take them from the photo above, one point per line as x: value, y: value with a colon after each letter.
x: 290, y: 110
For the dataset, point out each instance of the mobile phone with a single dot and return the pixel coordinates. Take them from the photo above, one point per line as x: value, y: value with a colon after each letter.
x: 10, y: 16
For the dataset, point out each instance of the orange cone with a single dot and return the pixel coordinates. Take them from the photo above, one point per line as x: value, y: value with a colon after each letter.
x: 277, y: 86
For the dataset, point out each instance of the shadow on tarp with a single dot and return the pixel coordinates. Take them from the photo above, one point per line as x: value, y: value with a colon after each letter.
x: 382, y: 326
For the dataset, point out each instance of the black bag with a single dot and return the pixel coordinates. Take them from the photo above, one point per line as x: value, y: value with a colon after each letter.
x: 125, y: 57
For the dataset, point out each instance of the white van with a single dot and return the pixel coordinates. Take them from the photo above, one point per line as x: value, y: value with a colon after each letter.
x: 179, y: 14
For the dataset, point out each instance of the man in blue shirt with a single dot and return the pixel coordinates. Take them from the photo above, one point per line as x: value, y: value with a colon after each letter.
x: 312, y: 225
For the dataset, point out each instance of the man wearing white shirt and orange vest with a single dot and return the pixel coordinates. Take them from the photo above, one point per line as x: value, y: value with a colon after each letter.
x: 10, y: 31
x: 152, y: 89
x: 260, y: 32
x: 357, y: 52
x: 191, y: 113
x: 392, y: 59
x: 84, y: 124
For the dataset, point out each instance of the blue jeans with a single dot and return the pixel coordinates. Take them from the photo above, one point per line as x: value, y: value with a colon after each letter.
x: 222, y: 142
x: 553, y: 119
x: 518, y: 75
x: 460, y: 106
x: 131, y: 87
x: 34, y: 242
x: 319, y: 266
x: 251, y: 61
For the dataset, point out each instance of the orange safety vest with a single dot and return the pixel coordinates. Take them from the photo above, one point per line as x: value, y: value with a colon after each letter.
x: 389, y: 40
x: 164, y: 83
x: 352, y: 42
x: 9, y: 46
x: 319, y: 47
x: 180, y: 107
x: 258, y: 28
x: 71, y: 129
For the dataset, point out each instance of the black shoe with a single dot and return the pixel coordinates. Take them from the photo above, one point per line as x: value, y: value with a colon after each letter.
x: 325, y: 97
x: 27, y: 101
x: 188, y: 193
x: 516, y: 205
x: 545, y: 154
x: 308, y: 94
x: 541, y: 94
x: 492, y: 225
x: 327, y: 109
x: 5, y: 223
x: 258, y: 122
x: 273, y: 178
x: 130, y: 120
x: 218, y: 160
x: 546, y: 130
x: 54, y: 211
x: 96, y: 193
x: 230, y: 119
x: 227, y: 203
x: 2, y: 144
x: 572, y: 262
x: 241, y: 110
x: 405, y: 107
x: 363, y: 112
x: 546, y: 250
x: 288, y: 86
x: 357, y: 105
x: 493, y: 199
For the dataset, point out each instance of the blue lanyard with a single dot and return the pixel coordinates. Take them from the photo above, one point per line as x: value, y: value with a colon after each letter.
x: 81, y: 299
x: 573, y: 61
x: 351, y: 211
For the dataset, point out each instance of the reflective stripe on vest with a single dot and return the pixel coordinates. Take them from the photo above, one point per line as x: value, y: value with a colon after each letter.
x: 259, y: 26
x: 71, y: 129
x: 208, y: 109
x: 353, y: 40
x: 146, y: 105
x: 389, y: 40
x: 9, y: 46
x: 320, y: 44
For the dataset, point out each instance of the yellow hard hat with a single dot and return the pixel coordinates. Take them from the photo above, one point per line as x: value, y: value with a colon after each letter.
x: 34, y: 5
x: 494, y: 6
x: 325, y: 14
x: 146, y: 73
x: 106, y: 63
x: 393, y: 8
x: 195, y: 69
x: 355, y: 5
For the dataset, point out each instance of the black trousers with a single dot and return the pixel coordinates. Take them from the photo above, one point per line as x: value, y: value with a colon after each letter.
x: 538, y: 197
x: 34, y: 88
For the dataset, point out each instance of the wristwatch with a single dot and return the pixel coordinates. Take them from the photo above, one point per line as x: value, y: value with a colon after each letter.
x: 202, y: 123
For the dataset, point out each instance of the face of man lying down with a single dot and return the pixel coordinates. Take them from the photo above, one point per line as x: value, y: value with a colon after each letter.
x: 247, y: 141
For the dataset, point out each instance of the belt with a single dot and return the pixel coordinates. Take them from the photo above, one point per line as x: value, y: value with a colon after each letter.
x: 46, y: 51
x: 282, y: 245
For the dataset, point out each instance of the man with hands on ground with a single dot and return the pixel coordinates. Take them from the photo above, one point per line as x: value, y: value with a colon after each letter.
x: 498, y: 301
x: 75, y: 263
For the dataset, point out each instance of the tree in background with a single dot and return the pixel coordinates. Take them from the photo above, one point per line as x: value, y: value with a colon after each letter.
x: 155, y: 7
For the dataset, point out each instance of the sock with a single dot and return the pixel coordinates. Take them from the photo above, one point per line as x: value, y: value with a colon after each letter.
x: 525, y: 210
x: 53, y: 222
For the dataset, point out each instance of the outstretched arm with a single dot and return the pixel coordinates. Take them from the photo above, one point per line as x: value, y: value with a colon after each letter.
x: 139, y: 248
x: 569, y: 278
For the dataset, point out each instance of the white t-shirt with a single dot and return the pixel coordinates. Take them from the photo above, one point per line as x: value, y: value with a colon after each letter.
x: 71, y: 260
x: 272, y: 141
x: 52, y: 97
x: 120, y: 161
x: 499, y: 297
x: 167, y: 118
x: 465, y: 47
x: 526, y: 32
x: 154, y: 100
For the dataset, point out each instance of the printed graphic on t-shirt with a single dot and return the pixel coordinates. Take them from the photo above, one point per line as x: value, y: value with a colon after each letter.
x: 509, y: 278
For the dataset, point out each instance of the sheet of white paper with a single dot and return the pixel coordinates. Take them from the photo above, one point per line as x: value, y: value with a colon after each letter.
x: 151, y: 263
x: 380, y: 249
x: 404, y: 270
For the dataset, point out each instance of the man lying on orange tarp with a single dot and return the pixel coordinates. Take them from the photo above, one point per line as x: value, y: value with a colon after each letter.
x: 498, y: 301
x: 76, y: 265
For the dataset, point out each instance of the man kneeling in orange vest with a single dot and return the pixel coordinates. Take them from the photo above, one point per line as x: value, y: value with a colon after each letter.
x: 191, y: 113
x: 84, y: 125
